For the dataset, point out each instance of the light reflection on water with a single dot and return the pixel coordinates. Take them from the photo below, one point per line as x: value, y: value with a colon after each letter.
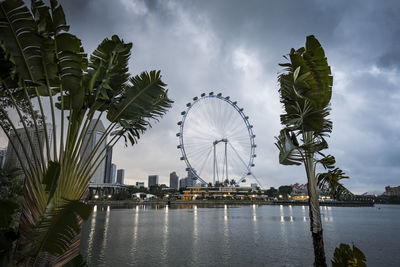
x: 224, y: 235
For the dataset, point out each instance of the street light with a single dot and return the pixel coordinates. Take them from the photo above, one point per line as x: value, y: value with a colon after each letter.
x: 280, y: 196
x: 96, y: 196
x: 109, y: 196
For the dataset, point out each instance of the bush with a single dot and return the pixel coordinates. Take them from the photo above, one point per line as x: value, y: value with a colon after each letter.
x: 344, y: 256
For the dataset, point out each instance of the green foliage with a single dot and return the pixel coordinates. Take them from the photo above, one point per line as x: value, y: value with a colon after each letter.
x: 41, y: 61
x: 272, y: 192
x: 345, y: 256
x: 285, y: 190
x: 59, y: 226
x: 330, y: 182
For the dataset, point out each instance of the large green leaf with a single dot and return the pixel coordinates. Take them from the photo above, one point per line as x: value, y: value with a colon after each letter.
x: 306, y: 89
x: 108, y: 72
x: 345, y: 256
x: 20, y: 40
x: 288, y: 150
x: 59, y: 226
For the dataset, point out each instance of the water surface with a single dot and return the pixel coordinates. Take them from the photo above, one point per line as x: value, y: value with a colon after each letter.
x: 252, y: 235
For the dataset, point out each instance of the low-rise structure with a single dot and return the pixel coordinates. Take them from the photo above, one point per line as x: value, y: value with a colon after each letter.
x: 242, y: 193
x: 139, y: 184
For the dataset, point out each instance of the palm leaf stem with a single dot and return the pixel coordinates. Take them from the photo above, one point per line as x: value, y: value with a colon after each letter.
x: 53, y: 117
x: 89, y: 164
x: 75, y: 161
x: 36, y: 127
x: 44, y: 123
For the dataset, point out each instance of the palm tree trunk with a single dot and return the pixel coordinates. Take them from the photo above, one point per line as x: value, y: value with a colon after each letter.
x: 314, y: 211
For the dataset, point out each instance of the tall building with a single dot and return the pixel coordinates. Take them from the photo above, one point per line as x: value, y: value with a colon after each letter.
x: 139, y: 184
x: 173, y: 180
x: 93, y: 136
x: 392, y: 191
x: 38, y: 142
x: 120, y: 176
x: 113, y: 173
x: 3, y: 154
x: 189, y: 181
x: 153, y: 180
x: 108, y: 166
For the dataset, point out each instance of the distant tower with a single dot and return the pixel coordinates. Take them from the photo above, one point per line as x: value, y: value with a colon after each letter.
x: 108, y: 166
x: 153, y: 180
x: 38, y: 141
x: 113, y: 173
x: 93, y: 136
x: 3, y: 154
x: 120, y: 176
x: 173, y: 180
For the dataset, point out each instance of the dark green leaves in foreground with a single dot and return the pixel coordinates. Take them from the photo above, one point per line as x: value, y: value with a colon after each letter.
x: 306, y: 89
x: 344, y: 256
x: 59, y: 226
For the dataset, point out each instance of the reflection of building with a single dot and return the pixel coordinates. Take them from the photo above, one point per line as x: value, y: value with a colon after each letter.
x: 173, y: 180
x: 139, y: 184
x: 392, y: 191
x: 113, y: 173
x: 93, y: 136
x: 120, y: 176
x: 38, y: 142
x: 108, y: 166
x: 153, y: 180
x: 3, y: 154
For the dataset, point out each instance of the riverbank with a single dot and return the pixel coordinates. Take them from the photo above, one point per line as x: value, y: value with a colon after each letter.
x: 132, y: 203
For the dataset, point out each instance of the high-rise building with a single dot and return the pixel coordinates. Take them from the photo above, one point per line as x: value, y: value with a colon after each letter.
x: 3, y: 154
x: 139, y: 184
x: 120, y: 176
x: 173, y: 180
x: 33, y: 153
x: 93, y: 136
x: 108, y: 166
x: 189, y: 181
x: 153, y: 180
x: 113, y: 173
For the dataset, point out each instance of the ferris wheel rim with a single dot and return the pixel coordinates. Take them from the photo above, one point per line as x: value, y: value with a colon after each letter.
x: 245, y: 118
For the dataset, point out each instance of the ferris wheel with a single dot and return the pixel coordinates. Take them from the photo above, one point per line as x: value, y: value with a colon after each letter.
x: 216, y: 140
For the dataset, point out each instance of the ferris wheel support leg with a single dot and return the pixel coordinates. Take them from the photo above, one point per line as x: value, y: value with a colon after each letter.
x: 226, y: 161
x: 214, y: 166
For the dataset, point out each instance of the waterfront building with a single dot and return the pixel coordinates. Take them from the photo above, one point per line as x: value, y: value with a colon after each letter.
x: 113, y: 173
x: 120, y: 176
x: 153, y: 180
x: 108, y: 166
x: 139, y: 184
x: 38, y: 141
x: 3, y: 154
x: 173, y: 180
x: 93, y: 136
x: 392, y: 191
x: 237, y: 193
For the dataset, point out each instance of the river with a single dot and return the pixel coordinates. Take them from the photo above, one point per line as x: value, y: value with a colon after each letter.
x: 251, y: 235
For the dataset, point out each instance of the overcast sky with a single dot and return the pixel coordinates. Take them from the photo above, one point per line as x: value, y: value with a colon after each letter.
x: 234, y: 47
